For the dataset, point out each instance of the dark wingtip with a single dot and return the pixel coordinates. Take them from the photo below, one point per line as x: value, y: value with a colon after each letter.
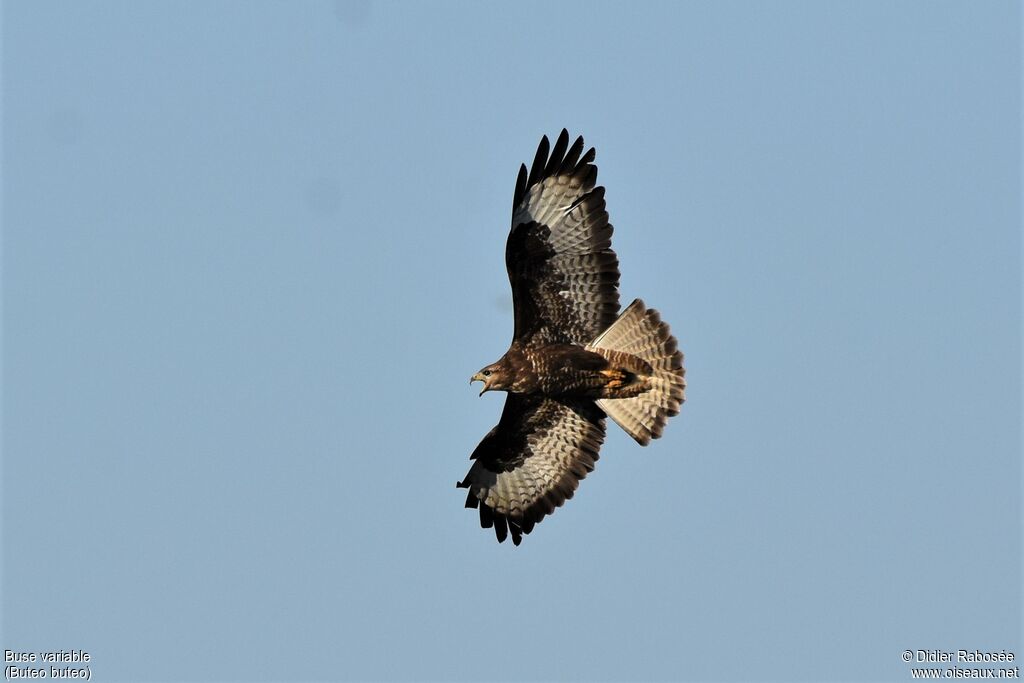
x: 500, y: 528
x: 517, y: 532
x: 572, y: 157
x: 521, y: 186
x: 562, y: 158
x: 486, y: 521
x: 539, y: 161
x: 557, y: 153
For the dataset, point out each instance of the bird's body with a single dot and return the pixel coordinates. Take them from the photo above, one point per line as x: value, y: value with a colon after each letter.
x: 574, y: 358
x: 569, y: 370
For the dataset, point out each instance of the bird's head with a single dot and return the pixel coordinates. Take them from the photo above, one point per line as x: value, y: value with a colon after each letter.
x: 495, y: 377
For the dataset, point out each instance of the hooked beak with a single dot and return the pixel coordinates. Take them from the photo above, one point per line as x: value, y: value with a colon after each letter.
x: 478, y: 377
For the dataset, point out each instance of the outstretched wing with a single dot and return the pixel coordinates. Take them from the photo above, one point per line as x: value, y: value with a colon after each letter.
x: 532, y: 461
x: 564, y: 274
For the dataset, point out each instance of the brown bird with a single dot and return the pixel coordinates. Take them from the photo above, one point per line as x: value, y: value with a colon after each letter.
x: 573, y: 358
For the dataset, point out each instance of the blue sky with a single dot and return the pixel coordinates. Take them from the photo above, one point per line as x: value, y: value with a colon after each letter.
x: 252, y: 253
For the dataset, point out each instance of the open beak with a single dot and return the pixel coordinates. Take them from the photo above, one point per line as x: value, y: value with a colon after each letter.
x: 479, y: 378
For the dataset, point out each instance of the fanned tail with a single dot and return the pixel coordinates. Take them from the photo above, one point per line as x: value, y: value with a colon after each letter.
x: 641, y: 332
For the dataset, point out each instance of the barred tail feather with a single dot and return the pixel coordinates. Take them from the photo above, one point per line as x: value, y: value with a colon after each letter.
x: 641, y: 332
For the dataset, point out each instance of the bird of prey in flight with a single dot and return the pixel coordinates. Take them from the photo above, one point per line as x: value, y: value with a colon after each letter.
x: 574, y: 357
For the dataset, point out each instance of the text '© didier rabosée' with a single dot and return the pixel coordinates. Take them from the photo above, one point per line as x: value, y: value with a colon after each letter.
x: 961, y: 656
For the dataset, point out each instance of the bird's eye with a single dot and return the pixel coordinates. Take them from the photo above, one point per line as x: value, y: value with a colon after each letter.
x: 487, y: 373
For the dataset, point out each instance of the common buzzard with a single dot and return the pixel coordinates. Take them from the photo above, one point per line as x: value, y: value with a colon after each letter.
x: 573, y: 358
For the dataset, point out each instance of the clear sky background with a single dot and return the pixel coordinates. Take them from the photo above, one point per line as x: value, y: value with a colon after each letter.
x: 252, y: 253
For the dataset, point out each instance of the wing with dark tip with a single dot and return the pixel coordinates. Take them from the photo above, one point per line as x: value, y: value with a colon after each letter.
x: 564, y: 274
x: 532, y: 461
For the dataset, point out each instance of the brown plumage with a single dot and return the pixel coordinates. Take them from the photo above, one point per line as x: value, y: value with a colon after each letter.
x: 573, y: 358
